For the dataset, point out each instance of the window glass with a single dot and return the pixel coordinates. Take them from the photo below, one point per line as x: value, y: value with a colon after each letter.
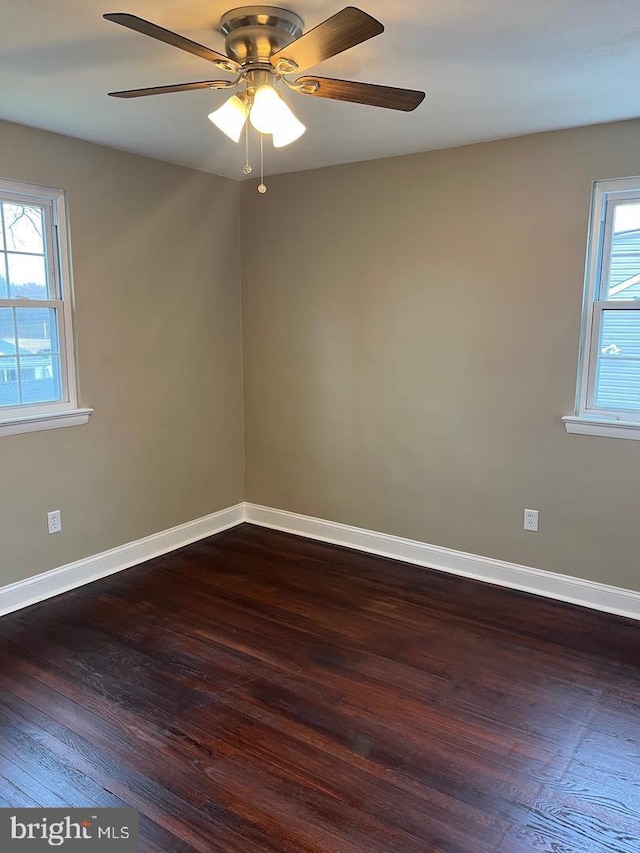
x: 617, y: 383
x: 24, y: 228
x: 27, y: 276
x: 623, y: 279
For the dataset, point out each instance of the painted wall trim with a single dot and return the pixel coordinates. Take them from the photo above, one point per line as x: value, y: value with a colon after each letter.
x: 53, y: 582
x: 582, y: 425
x: 597, y: 596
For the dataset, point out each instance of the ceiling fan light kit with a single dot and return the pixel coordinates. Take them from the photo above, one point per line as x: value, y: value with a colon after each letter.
x: 263, y: 45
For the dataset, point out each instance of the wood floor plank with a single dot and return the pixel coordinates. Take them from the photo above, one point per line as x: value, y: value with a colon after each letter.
x: 257, y: 693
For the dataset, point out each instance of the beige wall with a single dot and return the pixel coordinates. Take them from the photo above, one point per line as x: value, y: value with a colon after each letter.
x: 410, y: 345
x: 410, y: 340
x: 155, y: 257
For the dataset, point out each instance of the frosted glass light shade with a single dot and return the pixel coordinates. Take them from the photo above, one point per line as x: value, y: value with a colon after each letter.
x: 270, y: 114
x: 230, y: 117
x: 288, y: 130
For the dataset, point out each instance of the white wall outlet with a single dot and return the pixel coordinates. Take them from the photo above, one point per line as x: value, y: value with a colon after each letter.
x: 531, y: 520
x: 54, y: 521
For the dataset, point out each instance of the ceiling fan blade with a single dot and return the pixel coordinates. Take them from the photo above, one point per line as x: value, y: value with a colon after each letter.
x: 341, y: 31
x: 165, y: 90
x: 361, y: 93
x: 133, y: 22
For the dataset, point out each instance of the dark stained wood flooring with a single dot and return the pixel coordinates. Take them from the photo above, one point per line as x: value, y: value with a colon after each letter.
x: 260, y: 692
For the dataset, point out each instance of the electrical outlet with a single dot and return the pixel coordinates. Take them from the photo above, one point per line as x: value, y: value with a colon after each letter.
x: 54, y: 521
x: 531, y: 520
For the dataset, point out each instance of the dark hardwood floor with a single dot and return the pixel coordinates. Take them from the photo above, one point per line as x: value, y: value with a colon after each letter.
x: 261, y: 692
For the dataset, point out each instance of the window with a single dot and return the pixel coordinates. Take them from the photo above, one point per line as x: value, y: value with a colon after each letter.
x: 608, y: 396
x: 37, y: 362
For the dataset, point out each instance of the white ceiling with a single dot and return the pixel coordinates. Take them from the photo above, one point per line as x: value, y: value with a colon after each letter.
x: 491, y: 69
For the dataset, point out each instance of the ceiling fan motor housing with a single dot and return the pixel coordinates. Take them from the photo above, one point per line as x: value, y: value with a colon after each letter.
x: 254, y: 33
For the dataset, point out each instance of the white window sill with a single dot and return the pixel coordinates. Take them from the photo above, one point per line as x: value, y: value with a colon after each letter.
x: 50, y: 420
x: 585, y: 425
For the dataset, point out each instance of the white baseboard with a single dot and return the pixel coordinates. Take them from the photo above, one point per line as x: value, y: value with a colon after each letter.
x: 610, y: 599
x: 597, y: 596
x: 45, y: 585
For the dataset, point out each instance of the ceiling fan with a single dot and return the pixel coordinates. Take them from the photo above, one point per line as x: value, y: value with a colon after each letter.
x: 265, y: 44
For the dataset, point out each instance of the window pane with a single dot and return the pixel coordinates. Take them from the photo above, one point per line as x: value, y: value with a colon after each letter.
x: 624, y: 269
x: 30, y: 373
x: 618, y: 365
x: 9, y: 392
x: 37, y: 331
x: 27, y: 277
x: 40, y: 378
x: 4, y: 285
x: 7, y: 332
x: 24, y: 228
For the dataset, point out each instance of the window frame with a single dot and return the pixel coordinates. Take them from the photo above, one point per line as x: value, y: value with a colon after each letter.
x: 590, y: 419
x: 27, y: 417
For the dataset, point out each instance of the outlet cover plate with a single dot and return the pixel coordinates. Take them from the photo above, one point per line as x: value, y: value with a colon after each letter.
x: 54, y: 521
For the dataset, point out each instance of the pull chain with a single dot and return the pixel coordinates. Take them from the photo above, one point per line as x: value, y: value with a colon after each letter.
x: 261, y: 186
x: 246, y: 169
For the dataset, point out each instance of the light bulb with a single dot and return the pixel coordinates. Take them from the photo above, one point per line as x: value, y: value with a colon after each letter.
x: 230, y: 117
x: 265, y: 109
